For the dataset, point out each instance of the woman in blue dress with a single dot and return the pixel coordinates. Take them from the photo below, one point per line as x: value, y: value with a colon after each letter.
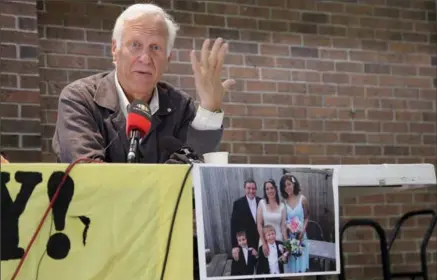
x: 296, y: 206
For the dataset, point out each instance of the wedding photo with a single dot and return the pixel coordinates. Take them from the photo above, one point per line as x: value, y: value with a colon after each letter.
x: 256, y: 221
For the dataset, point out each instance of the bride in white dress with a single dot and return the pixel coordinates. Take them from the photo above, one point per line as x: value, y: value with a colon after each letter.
x: 271, y: 211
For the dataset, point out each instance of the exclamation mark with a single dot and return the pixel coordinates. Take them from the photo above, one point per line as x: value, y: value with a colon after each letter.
x: 58, y: 245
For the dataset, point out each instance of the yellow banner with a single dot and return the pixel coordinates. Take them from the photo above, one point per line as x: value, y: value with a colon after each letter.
x: 110, y: 221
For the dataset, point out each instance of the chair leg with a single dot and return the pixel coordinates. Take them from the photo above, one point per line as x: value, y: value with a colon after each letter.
x: 382, y: 242
x: 425, y: 240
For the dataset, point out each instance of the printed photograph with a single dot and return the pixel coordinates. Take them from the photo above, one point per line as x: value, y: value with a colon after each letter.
x: 257, y: 221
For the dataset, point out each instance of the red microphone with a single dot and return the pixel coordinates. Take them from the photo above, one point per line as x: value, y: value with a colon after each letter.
x: 138, y: 123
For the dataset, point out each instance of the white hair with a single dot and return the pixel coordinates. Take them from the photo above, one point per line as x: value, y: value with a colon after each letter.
x: 138, y: 10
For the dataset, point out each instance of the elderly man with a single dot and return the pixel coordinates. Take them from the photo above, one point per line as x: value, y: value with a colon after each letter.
x: 92, y: 111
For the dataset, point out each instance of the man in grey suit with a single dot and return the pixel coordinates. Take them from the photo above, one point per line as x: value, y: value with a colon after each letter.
x: 92, y: 111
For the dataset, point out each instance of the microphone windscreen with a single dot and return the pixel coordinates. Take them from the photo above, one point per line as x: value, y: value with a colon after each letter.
x: 138, y: 118
x: 170, y: 144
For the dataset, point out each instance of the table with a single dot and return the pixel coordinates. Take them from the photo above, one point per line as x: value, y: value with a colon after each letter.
x: 322, y: 249
x: 367, y: 179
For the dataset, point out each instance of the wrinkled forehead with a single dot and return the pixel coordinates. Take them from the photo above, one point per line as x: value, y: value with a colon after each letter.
x: 148, y: 25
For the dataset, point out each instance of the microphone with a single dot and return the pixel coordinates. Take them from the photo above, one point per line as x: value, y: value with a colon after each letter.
x: 138, y: 123
x: 180, y: 153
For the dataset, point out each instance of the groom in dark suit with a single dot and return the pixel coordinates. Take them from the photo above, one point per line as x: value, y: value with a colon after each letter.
x: 244, y: 217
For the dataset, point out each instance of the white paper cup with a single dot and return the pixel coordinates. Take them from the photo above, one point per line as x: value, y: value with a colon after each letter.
x: 216, y: 157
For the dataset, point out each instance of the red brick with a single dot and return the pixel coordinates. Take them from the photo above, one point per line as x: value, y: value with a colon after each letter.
x: 320, y: 65
x: 309, y: 149
x: 254, y: 12
x: 249, y: 35
x: 333, y: 54
x: 262, y: 111
x: 211, y: 20
x: 259, y: 61
x: 245, y: 73
x: 219, y: 8
x: 273, y: 74
x: 69, y: 33
x: 352, y: 137
x: 317, y: 40
x: 277, y: 99
x: 267, y: 49
x: 336, y: 78
x: 281, y: 124
x: 306, y: 76
x: 287, y: 38
x: 305, y: 100
x: 292, y: 112
x: 248, y: 123
x: 19, y: 37
x: 321, y: 113
x: 290, y: 62
x: 8, y: 21
x: 247, y: 149
x: 265, y: 136
x: 18, y: 8
x: 357, y: 210
x: 259, y: 86
x: 371, y: 199
x: 279, y: 149
x: 338, y: 125
x: 182, y: 5
x: 310, y: 125
x: 235, y: 22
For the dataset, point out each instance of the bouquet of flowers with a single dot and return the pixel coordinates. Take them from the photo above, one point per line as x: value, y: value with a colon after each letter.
x: 293, y: 246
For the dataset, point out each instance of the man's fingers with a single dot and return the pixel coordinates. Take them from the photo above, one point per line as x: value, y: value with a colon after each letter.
x: 220, y: 58
x: 3, y: 160
x: 204, y: 53
x: 213, y: 57
x: 194, y: 63
x: 228, y: 84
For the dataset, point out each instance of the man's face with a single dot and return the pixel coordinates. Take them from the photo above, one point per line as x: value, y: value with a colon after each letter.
x: 250, y: 189
x: 142, y: 57
x: 242, y: 241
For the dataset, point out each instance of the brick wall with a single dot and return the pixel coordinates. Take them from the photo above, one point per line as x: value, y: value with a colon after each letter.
x: 331, y: 82
x: 20, y: 108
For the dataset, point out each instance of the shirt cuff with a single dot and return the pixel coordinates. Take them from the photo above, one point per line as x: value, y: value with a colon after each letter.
x: 207, y: 120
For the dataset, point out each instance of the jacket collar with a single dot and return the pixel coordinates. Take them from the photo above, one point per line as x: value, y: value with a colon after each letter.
x: 106, y: 95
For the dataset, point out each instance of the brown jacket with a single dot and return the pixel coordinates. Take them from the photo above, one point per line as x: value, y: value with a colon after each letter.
x: 90, y: 123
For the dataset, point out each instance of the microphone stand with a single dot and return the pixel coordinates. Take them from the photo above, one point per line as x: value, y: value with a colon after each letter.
x: 132, y: 156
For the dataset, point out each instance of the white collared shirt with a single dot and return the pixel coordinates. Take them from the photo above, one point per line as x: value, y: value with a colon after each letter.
x: 252, y: 206
x: 204, y: 119
x: 246, y: 253
x: 273, y: 259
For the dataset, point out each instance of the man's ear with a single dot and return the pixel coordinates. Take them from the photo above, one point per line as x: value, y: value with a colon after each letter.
x: 169, y: 57
x: 114, y: 51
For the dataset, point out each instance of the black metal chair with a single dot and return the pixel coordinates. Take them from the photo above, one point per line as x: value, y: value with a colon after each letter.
x: 385, y: 245
x: 423, y: 273
x: 382, y: 243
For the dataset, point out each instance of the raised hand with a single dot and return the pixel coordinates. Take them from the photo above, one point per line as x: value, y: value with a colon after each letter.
x: 207, y: 72
x: 3, y: 160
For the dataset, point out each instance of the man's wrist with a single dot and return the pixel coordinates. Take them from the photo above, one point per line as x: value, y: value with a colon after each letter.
x: 213, y: 108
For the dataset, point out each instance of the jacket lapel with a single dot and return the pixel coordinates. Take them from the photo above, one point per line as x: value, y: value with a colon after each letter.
x: 247, y: 209
x: 149, y: 144
x: 106, y: 97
